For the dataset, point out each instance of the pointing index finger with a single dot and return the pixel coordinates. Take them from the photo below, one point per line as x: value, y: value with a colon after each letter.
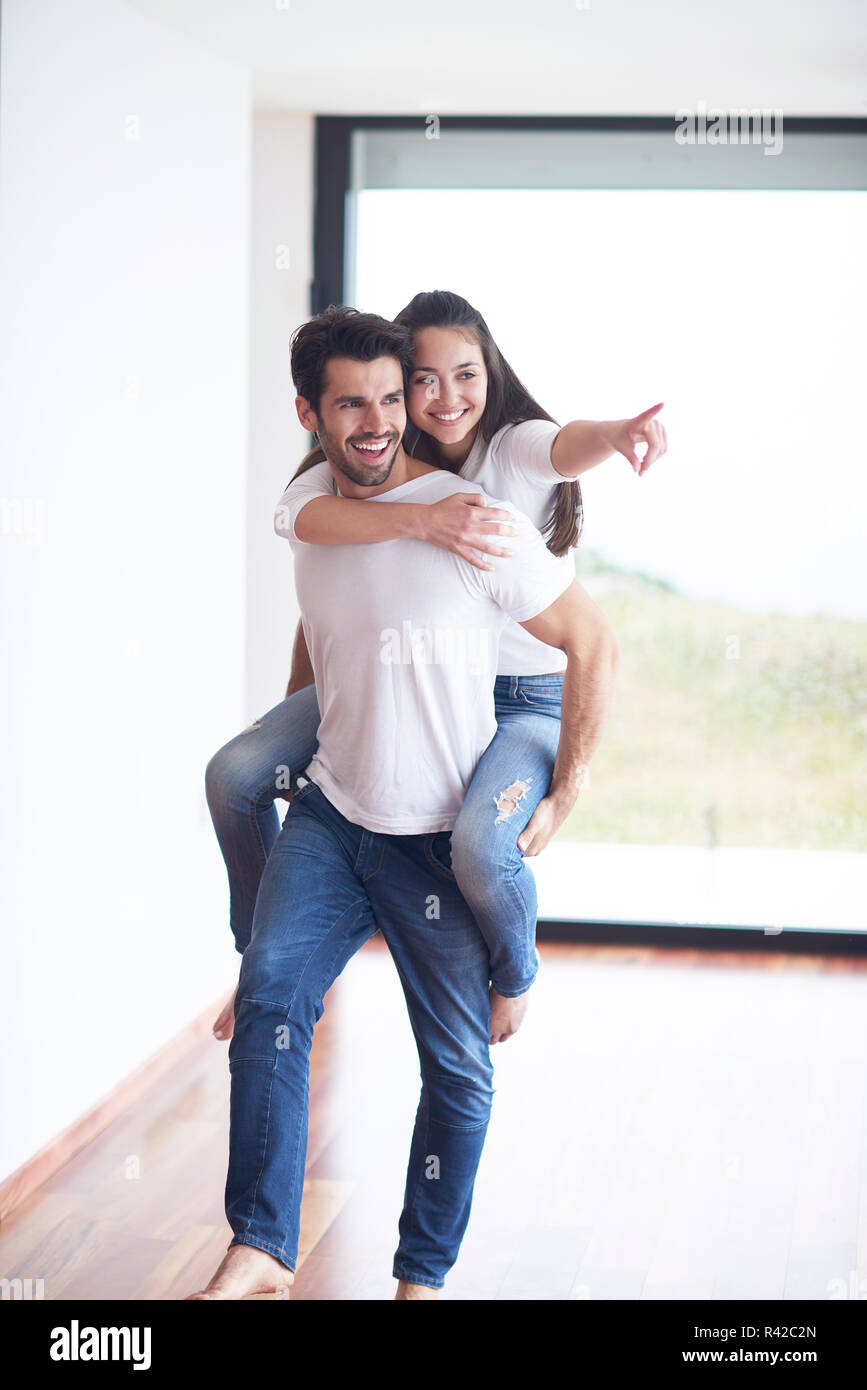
x: 648, y: 414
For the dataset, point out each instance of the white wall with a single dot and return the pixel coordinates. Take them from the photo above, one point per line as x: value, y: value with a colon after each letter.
x: 281, y: 270
x: 123, y: 399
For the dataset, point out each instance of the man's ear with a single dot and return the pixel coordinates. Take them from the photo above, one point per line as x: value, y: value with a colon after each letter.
x: 308, y: 417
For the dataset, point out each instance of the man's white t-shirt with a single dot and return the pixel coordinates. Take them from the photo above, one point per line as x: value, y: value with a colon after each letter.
x: 403, y: 639
x: 516, y: 464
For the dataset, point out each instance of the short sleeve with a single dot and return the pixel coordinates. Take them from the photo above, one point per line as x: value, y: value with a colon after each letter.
x: 317, y: 481
x: 529, y: 580
x: 523, y: 452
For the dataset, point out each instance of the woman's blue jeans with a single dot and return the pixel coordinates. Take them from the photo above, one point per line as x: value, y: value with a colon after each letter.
x: 246, y: 776
x: 327, y: 887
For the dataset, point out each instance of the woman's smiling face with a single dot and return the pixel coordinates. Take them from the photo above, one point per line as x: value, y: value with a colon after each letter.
x: 448, y: 386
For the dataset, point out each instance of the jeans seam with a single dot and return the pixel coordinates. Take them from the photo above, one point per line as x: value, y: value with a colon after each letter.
x: 259, y: 843
x: 376, y: 870
x: 411, y: 1203
x: 409, y: 1278
x: 254, y: 822
x: 514, y: 993
x: 459, y: 1129
x: 273, y: 1074
x: 268, y: 1246
x: 510, y: 881
x: 255, y: 1192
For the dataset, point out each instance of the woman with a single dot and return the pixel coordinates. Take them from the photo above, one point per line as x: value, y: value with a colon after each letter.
x: 469, y: 413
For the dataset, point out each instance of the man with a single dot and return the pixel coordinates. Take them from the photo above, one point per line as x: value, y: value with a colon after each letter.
x: 365, y: 842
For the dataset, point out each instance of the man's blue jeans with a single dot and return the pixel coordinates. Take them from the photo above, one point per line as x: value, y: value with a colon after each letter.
x: 243, y: 780
x: 327, y: 886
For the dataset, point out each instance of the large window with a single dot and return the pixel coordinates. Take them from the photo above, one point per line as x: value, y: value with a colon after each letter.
x: 617, y: 268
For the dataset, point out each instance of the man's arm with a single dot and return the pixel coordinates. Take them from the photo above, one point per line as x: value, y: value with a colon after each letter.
x: 576, y: 625
x: 301, y: 674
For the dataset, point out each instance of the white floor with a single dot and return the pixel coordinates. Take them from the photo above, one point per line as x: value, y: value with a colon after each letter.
x: 770, y: 888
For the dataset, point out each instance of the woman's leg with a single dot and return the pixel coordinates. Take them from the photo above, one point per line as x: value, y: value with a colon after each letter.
x: 512, y: 776
x: 242, y: 782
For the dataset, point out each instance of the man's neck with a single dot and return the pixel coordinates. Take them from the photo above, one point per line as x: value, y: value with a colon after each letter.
x: 403, y: 470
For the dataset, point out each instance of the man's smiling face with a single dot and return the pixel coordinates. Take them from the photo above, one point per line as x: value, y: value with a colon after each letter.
x: 361, y: 417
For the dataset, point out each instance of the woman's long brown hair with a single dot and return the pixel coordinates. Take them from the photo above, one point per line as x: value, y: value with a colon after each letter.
x: 508, y: 400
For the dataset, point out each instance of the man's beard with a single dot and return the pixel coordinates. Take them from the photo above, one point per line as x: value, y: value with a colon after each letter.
x: 336, y: 455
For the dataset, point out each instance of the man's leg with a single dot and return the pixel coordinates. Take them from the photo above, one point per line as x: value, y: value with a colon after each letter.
x: 312, y: 915
x: 443, y: 964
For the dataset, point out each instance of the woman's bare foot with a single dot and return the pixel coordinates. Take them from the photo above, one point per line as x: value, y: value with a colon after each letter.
x: 225, y: 1024
x: 408, y: 1291
x: 506, y: 1014
x: 247, y: 1272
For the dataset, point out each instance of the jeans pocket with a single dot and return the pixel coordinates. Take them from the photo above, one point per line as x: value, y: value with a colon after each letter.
x: 301, y: 786
x: 546, y: 701
x: 438, y: 852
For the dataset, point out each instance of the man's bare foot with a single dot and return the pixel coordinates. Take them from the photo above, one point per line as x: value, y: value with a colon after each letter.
x: 407, y: 1291
x: 506, y: 1014
x: 225, y: 1024
x: 247, y: 1272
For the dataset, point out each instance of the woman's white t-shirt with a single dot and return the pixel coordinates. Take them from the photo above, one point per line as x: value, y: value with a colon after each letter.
x: 516, y: 465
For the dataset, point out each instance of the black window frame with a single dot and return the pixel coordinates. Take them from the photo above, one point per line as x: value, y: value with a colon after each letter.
x: 332, y: 187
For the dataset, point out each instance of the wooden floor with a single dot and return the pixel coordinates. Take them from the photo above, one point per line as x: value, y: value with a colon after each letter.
x: 667, y: 1124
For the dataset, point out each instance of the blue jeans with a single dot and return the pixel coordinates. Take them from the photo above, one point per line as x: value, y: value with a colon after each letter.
x: 244, y: 778
x: 327, y: 886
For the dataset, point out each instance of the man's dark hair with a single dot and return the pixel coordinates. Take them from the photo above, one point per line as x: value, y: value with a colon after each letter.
x: 342, y: 332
